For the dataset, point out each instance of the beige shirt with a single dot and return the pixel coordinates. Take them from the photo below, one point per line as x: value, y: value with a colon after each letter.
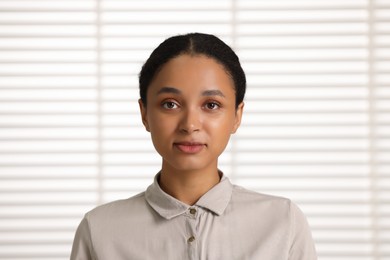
x: 228, y: 222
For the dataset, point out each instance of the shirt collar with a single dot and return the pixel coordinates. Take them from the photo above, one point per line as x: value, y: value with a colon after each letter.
x: 215, y: 200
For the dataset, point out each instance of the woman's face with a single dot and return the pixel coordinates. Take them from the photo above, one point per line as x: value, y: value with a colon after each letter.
x: 191, y: 112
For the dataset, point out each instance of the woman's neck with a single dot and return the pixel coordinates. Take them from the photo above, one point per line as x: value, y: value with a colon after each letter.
x: 188, y: 186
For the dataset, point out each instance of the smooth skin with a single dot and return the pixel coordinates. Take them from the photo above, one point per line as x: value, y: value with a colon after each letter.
x: 191, y: 114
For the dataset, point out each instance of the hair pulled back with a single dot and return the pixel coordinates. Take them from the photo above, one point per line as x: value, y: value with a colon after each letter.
x: 193, y: 44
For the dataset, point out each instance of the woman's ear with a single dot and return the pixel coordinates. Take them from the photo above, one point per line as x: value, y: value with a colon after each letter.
x: 237, y: 121
x: 142, y: 109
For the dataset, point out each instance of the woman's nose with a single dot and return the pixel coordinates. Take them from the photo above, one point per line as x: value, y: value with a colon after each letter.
x: 190, y: 122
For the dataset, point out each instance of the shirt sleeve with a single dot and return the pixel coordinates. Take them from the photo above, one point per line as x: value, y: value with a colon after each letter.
x: 302, y: 244
x: 82, y: 243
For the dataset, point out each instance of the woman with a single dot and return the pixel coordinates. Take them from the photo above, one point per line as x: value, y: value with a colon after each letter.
x: 192, y: 89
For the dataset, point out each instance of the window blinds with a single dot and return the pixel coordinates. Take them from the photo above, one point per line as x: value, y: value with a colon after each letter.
x: 316, y: 126
x: 317, y: 122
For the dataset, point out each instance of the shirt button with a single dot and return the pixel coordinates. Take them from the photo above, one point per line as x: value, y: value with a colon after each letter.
x: 192, y: 211
x: 191, y: 239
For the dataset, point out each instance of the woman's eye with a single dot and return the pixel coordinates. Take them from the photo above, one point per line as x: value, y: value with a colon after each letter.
x: 212, y: 105
x: 169, y: 105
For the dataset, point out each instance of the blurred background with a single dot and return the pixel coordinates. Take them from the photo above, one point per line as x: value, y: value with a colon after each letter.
x: 316, y: 126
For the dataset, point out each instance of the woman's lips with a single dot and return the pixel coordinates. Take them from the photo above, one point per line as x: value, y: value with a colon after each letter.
x: 188, y: 147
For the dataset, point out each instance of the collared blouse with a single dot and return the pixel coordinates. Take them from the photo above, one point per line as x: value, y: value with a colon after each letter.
x: 228, y: 222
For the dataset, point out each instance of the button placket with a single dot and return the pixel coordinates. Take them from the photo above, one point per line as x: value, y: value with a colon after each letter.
x: 192, y: 219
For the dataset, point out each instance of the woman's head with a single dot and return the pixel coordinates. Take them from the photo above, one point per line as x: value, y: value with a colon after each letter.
x: 191, y: 113
x: 193, y: 44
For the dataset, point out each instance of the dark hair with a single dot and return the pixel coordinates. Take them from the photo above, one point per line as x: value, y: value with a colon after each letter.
x: 193, y: 44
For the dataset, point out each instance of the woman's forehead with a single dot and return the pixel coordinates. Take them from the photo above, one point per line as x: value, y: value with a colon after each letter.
x: 199, y: 72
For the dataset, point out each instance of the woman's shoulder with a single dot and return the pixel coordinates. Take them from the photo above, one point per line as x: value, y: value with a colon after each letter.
x: 115, y: 208
x: 258, y: 200
x: 240, y: 192
x: 269, y: 206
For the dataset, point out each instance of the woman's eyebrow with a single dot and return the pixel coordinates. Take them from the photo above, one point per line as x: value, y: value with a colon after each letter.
x: 213, y: 93
x: 169, y: 90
